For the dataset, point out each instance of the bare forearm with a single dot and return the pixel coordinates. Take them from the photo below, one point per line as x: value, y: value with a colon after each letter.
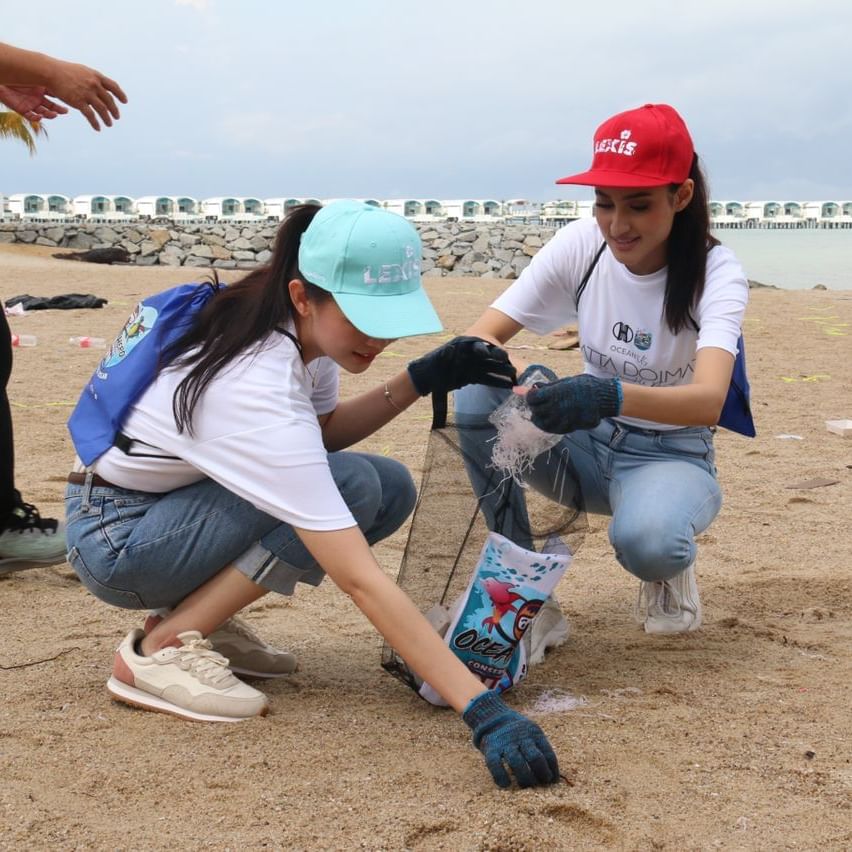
x: 684, y: 405
x: 356, y: 419
x: 25, y: 67
x: 346, y: 558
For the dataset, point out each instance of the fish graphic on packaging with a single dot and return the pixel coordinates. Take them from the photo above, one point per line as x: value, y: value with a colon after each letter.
x: 507, y: 589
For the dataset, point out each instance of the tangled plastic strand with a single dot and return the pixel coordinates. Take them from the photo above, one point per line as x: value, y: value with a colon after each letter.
x: 519, y: 442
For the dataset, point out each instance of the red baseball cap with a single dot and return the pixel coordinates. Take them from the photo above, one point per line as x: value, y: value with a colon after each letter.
x: 649, y: 146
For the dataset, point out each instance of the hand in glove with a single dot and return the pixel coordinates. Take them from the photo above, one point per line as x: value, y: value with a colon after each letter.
x: 462, y: 361
x: 510, y: 742
x: 576, y: 402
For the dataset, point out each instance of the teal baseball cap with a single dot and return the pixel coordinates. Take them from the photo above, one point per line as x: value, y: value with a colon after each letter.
x: 369, y: 260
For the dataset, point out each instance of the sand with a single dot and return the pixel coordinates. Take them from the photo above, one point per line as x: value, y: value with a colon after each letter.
x: 736, y: 737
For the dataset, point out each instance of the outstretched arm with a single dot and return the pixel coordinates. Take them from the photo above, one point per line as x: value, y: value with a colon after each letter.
x: 461, y: 361
x: 30, y: 77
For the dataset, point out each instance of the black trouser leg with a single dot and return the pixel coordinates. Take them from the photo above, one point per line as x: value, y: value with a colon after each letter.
x: 7, y: 447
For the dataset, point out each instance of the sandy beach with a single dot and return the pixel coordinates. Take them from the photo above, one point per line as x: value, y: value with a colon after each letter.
x: 737, y: 737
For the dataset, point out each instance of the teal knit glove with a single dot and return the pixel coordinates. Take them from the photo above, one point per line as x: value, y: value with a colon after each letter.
x: 510, y: 741
x: 577, y: 402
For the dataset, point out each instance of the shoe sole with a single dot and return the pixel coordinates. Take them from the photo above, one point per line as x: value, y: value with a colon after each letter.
x: 11, y: 566
x: 237, y: 670
x: 137, y: 698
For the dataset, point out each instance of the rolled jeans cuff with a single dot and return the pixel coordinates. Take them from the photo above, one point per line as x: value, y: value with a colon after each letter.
x: 263, y: 567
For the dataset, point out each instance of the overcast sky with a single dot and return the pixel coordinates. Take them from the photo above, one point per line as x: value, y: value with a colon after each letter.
x: 470, y: 98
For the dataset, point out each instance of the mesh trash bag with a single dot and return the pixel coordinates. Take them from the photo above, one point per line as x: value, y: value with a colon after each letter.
x: 462, y: 495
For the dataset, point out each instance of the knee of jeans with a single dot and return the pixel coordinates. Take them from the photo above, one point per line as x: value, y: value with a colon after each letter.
x: 399, y: 495
x: 651, y: 554
x: 474, y: 403
x: 360, y: 486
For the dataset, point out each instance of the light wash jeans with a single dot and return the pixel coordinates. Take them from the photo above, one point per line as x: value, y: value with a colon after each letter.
x: 658, y: 486
x: 138, y: 550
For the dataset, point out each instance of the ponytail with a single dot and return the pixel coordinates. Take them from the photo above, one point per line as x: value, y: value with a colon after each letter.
x: 240, y: 315
x: 689, y: 241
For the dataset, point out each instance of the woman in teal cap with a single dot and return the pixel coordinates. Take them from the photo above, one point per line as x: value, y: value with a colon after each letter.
x: 228, y: 476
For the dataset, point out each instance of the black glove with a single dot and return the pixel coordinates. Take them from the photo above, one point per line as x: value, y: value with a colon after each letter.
x: 577, y: 402
x: 462, y: 361
x: 507, y: 738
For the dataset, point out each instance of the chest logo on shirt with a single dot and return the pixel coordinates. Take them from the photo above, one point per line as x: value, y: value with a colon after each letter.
x: 642, y: 340
x: 623, y: 332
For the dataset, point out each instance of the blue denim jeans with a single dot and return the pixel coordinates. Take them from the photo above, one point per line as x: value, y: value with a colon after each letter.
x: 146, y: 551
x: 659, y: 486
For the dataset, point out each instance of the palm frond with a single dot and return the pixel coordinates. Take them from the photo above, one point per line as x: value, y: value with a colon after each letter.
x: 14, y: 126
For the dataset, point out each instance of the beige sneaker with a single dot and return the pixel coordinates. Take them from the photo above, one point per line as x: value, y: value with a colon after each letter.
x: 549, y: 629
x: 192, y: 681
x: 248, y: 654
x: 671, y: 606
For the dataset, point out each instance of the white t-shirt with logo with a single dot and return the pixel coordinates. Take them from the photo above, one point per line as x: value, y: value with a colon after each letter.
x: 621, y: 322
x: 255, y: 431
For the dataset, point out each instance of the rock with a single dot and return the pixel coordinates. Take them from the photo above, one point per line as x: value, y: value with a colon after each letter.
x: 146, y: 259
x: 170, y: 259
x: 55, y: 234
x: 225, y: 264
x: 264, y: 256
x: 756, y: 285
x: 815, y: 287
x: 447, y: 261
x: 7, y: 237
x: 27, y: 236
x: 435, y: 272
x: 44, y: 241
x: 106, y: 235
x: 240, y: 244
x: 194, y: 260
x: 259, y: 243
x: 159, y: 236
x: 80, y: 241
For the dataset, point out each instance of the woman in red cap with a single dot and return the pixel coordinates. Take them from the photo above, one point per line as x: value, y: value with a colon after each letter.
x: 659, y: 321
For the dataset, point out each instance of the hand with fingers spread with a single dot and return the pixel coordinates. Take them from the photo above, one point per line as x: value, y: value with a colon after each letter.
x: 87, y: 90
x: 33, y: 83
x: 511, y: 743
x: 462, y: 361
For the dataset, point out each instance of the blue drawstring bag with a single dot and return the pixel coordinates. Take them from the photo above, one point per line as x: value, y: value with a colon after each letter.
x: 131, y: 364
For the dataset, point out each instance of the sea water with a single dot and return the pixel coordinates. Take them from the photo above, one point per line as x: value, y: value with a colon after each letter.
x: 793, y: 259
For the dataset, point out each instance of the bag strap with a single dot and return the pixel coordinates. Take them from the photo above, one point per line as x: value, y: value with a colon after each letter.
x: 588, y: 274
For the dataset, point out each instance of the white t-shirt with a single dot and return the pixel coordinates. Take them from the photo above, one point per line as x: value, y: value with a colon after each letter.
x: 255, y: 431
x: 621, y: 323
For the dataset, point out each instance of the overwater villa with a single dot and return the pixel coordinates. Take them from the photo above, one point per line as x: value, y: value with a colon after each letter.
x: 104, y: 208
x: 230, y: 208
x: 36, y: 207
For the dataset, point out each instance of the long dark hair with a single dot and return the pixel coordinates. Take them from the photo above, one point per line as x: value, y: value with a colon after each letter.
x: 240, y: 315
x: 689, y: 241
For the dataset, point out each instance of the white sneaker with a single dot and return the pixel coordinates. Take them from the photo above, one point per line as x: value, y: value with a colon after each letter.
x: 248, y: 654
x: 192, y: 681
x: 549, y: 629
x: 671, y: 606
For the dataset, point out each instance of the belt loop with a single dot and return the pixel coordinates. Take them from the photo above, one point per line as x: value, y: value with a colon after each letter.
x: 86, y: 492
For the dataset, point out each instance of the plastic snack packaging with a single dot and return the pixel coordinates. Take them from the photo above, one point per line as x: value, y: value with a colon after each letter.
x: 486, y: 625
